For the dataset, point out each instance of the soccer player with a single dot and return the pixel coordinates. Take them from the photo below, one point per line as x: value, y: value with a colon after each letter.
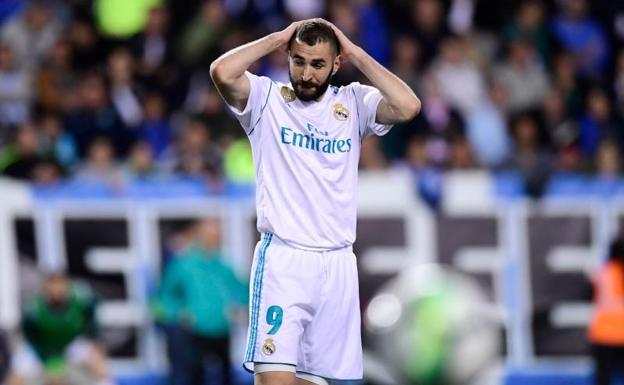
x: 306, y: 138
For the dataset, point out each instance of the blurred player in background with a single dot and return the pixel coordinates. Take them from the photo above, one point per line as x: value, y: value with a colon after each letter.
x: 606, y: 330
x: 198, y: 297
x: 60, y: 329
x: 306, y: 139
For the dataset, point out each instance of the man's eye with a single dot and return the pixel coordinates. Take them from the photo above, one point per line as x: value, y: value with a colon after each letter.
x: 298, y: 63
x: 318, y: 66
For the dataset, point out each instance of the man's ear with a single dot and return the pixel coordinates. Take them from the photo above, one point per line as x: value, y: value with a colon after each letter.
x: 336, y: 64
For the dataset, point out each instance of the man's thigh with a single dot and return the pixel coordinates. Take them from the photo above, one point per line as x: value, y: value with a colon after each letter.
x: 278, y: 374
x: 280, y: 378
x: 275, y: 378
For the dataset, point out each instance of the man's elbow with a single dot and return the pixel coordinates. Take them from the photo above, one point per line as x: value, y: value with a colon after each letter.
x: 411, y: 109
x: 216, y: 71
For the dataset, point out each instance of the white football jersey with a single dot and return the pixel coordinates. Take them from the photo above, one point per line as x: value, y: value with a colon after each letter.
x: 306, y: 159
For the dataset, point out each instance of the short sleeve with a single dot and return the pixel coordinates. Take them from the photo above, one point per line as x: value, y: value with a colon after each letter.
x: 259, y: 90
x: 367, y: 99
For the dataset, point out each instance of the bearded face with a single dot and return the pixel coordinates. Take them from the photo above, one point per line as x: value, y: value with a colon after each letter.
x: 311, y: 69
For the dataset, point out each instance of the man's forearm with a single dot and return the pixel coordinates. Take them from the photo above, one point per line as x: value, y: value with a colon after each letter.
x: 398, y: 95
x: 234, y: 63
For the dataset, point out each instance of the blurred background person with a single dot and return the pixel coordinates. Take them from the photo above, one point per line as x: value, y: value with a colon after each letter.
x: 198, y: 297
x: 140, y: 164
x: 31, y: 33
x: 18, y: 159
x: 61, y: 334
x: 606, y: 331
x: 100, y: 167
x: 15, y: 89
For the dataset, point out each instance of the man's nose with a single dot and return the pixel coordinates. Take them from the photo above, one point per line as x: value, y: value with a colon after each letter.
x: 307, y: 74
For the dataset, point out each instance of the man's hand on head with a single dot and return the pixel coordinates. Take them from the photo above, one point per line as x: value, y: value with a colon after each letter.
x: 286, y: 34
x: 347, y: 47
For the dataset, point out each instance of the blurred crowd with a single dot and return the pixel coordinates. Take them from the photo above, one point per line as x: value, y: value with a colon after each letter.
x: 113, y: 92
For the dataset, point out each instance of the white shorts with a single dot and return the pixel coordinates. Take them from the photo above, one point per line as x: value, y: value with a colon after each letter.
x: 305, y: 310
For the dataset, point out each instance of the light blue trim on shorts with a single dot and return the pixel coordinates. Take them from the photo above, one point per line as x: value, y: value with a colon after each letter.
x: 255, y: 301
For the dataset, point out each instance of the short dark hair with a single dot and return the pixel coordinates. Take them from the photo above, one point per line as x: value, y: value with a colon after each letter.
x: 316, y: 31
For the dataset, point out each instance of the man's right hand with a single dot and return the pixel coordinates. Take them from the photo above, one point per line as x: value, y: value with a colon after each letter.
x: 285, y: 35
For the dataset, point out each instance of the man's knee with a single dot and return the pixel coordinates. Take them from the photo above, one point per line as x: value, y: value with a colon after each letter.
x: 275, y: 378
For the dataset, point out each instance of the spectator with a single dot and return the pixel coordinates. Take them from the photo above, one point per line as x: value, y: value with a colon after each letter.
x: 100, y: 167
x: 531, y: 157
x: 428, y: 178
x: 153, y: 48
x: 583, y: 37
x: 405, y: 60
x: 18, y: 160
x: 453, y: 68
x: 87, y: 47
x: 95, y: 116
x: 598, y: 122
x: 427, y: 24
x: 47, y: 173
x: 56, y: 143
x: 374, y: 36
x: 195, y: 155
x: 460, y: 154
x: 405, y: 64
x: 439, y: 120
x: 608, y: 162
x: 155, y: 128
x: 56, y: 78
x: 562, y: 132
x: 140, y: 164
x: 211, y: 109
x: 61, y: 334
x: 32, y: 34
x: 561, y: 129
x: 528, y: 25
x: 486, y: 129
x: 123, y: 90
x: 197, y: 299
x: 15, y: 89
x: 605, y: 330
x: 200, y: 39
x: 523, y: 77
x: 566, y: 82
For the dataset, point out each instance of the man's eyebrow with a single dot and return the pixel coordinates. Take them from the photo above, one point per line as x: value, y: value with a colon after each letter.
x: 318, y: 61
x: 296, y: 56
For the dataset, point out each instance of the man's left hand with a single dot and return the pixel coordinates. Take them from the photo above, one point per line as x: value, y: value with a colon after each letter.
x: 347, y: 47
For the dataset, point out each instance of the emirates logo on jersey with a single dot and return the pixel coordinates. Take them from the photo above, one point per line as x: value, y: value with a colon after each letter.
x: 312, y: 141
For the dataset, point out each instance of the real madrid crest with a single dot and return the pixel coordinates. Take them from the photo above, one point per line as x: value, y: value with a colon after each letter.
x: 268, y: 347
x: 287, y: 94
x: 340, y: 112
